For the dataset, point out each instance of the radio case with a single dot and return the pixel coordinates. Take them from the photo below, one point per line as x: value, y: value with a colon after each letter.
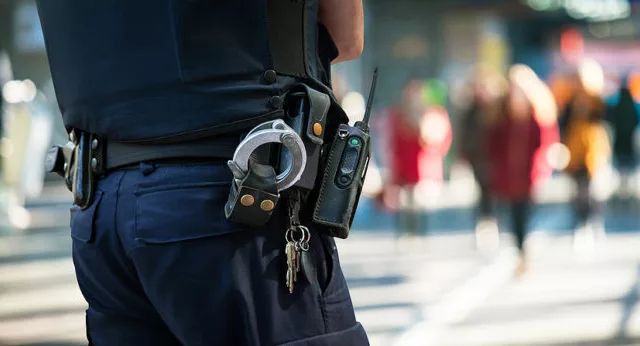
x: 342, y: 181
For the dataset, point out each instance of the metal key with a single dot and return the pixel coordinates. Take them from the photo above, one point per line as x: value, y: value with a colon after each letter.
x: 292, y: 264
x: 294, y: 251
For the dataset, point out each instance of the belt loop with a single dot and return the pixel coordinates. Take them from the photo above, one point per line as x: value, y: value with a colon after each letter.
x: 147, y: 168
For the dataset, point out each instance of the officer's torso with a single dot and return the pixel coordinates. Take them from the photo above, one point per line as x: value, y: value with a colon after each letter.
x: 150, y: 69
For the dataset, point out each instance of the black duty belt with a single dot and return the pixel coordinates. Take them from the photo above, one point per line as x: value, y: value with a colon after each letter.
x: 105, y: 156
x: 87, y: 157
x: 125, y: 154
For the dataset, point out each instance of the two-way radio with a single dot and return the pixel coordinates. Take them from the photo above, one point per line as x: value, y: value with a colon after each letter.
x: 345, y: 172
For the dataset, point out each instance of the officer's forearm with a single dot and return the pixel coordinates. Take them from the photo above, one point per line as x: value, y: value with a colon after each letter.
x: 345, y: 21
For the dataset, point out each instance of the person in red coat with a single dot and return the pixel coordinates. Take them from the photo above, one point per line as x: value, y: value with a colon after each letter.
x: 404, y: 147
x: 517, y: 149
x: 405, y: 144
x: 414, y: 139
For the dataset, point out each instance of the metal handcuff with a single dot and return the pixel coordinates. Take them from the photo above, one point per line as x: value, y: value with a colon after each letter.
x: 276, y: 131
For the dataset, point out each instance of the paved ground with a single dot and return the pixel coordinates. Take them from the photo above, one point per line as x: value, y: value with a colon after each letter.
x: 565, y: 299
x: 466, y: 299
x: 433, y: 291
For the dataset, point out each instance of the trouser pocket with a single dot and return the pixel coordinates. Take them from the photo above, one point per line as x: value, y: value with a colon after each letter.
x: 353, y: 336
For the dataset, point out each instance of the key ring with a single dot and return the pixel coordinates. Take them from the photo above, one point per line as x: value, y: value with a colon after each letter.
x: 305, y: 236
x: 304, y: 241
x: 289, y: 237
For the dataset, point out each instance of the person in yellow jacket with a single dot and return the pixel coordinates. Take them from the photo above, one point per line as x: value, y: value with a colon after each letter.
x: 588, y: 144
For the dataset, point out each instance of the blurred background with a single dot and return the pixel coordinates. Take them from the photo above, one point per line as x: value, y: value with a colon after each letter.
x: 502, y: 202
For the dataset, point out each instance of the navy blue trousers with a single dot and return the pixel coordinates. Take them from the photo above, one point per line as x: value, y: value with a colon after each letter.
x: 159, y: 265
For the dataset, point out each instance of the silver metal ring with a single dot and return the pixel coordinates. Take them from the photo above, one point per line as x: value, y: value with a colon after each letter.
x: 306, y: 234
x: 288, y: 235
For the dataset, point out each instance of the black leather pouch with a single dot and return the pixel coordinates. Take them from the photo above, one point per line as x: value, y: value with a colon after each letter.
x: 342, y: 181
x: 83, y: 179
x: 252, y: 200
x: 307, y: 112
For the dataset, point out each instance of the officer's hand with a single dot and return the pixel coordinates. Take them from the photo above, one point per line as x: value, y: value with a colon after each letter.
x: 345, y: 21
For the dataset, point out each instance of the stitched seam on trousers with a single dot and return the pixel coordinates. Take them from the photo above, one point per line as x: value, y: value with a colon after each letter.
x: 115, y: 218
x: 323, y: 309
x: 115, y: 209
x: 131, y: 265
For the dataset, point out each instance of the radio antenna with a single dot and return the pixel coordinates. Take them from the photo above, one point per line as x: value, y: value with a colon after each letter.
x: 367, y: 112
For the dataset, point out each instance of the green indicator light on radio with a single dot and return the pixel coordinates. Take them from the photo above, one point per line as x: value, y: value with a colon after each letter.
x: 355, y: 141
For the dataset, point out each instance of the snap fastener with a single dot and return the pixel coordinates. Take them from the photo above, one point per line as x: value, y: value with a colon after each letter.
x: 94, y: 144
x: 247, y: 200
x: 275, y: 101
x: 267, y: 205
x: 94, y: 164
x: 270, y: 76
x: 317, y: 129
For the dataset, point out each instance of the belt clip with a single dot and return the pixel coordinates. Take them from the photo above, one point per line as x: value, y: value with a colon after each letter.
x: 80, y: 162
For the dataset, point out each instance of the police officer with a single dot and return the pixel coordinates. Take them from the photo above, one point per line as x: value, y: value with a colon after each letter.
x: 164, y: 89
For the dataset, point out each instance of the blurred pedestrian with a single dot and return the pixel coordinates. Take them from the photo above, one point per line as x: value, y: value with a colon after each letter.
x: 487, y: 88
x: 435, y: 136
x: 406, y: 146
x: 565, y: 90
x: 623, y: 117
x: 517, y: 144
x: 589, y: 149
x: 402, y: 124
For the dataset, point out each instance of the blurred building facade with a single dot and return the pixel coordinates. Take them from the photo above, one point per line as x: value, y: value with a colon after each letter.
x: 21, y: 37
x: 427, y: 39
x: 417, y: 39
